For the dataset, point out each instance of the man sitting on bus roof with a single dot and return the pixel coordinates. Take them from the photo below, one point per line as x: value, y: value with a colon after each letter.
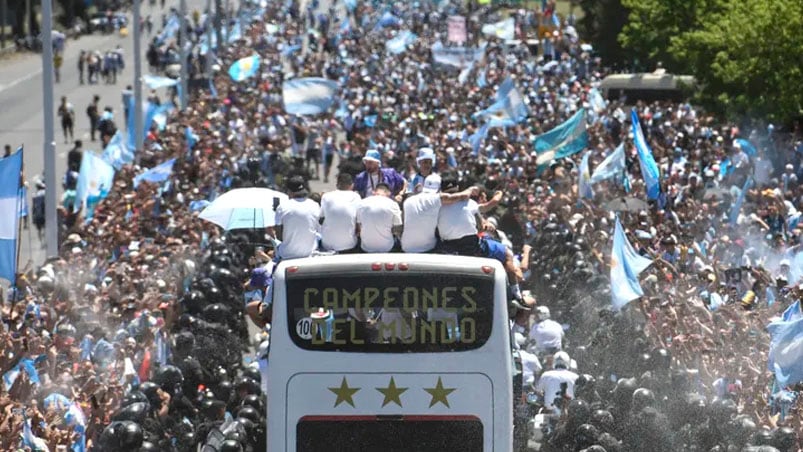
x: 421, y: 214
x: 367, y: 181
x: 379, y: 221
x: 339, y: 216
x: 297, y: 222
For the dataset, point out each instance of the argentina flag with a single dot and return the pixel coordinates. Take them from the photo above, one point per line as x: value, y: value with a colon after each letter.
x: 308, y: 96
x: 649, y: 169
x: 244, y: 68
x: 626, y: 264
x: 95, y: 180
x: 400, y: 42
x: 564, y: 140
x: 159, y: 173
x: 504, y: 29
x: 117, y: 152
x: 10, y: 168
x: 158, y: 81
x: 612, y: 166
x: 509, y: 108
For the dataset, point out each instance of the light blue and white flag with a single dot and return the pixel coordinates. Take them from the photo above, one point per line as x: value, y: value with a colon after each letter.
x: 786, y: 351
x: 157, y: 174
x: 10, y: 377
x: 399, y: 43
x: 117, y: 152
x: 244, y: 68
x: 482, y: 78
x: 290, y: 49
x: 564, y: 140
x: 613, y: 166
x: 477, y: 138
x: 158, y: 81
x: 649, y: 169
x: 747, y: 147
x: 584, y: 189
x: 190, y: 137
x: 504, y: 29
x: 23, y: 202
x: 171, y: 28
x: 626, y: 264
x: 95, y: 180
x: 351, y: 5
x: 460, y: 57
x: 387, y: 20
x: 509, y: 108
x: 10, y: 169
x: 733, y: 216
x: 308, y: 96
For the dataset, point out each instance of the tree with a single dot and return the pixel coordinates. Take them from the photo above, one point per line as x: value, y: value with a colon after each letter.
x: 652, y: 24
x: 601, y: 24
x: 748, y: 58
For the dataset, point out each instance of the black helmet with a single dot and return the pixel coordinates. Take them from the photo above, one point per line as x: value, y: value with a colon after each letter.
x: 121, y: 435
x: 661, y: 359
x: 148, y: 446
x: 185, y: 341
x: 249, y: 413
x: 231, y: 445
x: 169, y: 378
x: 211, y: 408
x: 784, y: 439
x: 603, y: 420
x: 579, y: 411
x: 642, y: 398
x: 585, y: 435
x: 133, y: 397
x: 223, y: 390
x: 744, y: 430
x: 722, y: 410
x: 151, y: 392
x: 248, y: 385
x: 252, y: 373
x: 762, y: 437
x: 217, y: 313
x: 254, y: 401
x: 135, y: 412
x: 131, y: 436
x: 623, y: 392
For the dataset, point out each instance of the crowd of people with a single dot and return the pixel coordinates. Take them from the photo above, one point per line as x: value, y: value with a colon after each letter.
x: 134, y: 337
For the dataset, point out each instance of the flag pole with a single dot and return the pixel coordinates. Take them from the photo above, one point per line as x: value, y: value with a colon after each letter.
x: 138, y: 120
x: 183, y: 42
x: 19, y: 234
x: 51, y: 212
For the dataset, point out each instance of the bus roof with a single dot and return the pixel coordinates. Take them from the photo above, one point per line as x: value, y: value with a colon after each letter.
x: 391, y: 262
x: 646, y: 81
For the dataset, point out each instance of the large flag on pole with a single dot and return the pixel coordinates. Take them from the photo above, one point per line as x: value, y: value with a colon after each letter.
x: 584, y: 189
x: 626, y: 264
x: 244, y: 68
x: 649, y: 169
x: 504, y: 29
x: 95, y: 180
x: 786, y: 351
x: 562, y: 141
x: 613, y: 166
x: 509, y: 108
x: 10, y: 169
x: 400, y: 42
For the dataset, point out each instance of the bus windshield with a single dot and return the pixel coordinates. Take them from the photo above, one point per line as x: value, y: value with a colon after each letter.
x: 390, y: 313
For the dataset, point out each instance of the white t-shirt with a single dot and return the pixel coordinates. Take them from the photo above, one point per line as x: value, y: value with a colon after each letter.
x: 299, y: 220
x: 339, y: 212
x: 458, y: 220
x: 420, y: 222
x: 550, y: 381
x: 377, y: 215
x: 547, y: 334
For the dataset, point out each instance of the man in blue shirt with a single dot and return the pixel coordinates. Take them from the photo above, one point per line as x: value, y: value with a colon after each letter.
x: 374, y: 174
x: 425, y: 161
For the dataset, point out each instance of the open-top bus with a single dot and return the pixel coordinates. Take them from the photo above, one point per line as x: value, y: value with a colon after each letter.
x: 390, y: 352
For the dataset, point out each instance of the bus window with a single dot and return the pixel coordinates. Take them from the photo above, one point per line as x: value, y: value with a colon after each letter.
x: 384, y: 313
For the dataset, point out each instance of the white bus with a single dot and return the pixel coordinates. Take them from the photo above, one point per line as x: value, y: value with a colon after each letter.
x: 390, y: 352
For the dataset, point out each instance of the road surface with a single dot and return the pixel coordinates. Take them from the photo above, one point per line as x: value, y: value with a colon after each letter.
x: 21, y: 118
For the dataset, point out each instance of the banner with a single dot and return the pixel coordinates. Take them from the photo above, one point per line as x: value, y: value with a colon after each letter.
x: 457, y: 29
x: 460, y: 57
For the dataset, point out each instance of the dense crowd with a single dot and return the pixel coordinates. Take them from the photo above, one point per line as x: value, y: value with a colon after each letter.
x: 121, y: 338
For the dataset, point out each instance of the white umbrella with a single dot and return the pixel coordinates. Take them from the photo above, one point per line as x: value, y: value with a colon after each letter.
x: 244, y: 208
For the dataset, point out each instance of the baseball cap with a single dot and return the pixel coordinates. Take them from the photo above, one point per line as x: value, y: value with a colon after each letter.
x: 372, y: 156
x: 296, y: 185
x: 259, y: 277
x: 432, y: 184
x: 425, y: 154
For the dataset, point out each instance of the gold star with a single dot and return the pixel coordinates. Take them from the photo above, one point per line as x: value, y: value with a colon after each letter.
x: 344, y: 393
x: 391, y: 393
x: 439, y: 394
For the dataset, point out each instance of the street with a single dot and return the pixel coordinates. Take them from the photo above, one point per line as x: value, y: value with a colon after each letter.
x: 21, y: 97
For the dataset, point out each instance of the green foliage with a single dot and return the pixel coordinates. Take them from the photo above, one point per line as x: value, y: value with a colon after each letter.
x: 749, y: 58
x: 601, y: 24
x: 652, y: 24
